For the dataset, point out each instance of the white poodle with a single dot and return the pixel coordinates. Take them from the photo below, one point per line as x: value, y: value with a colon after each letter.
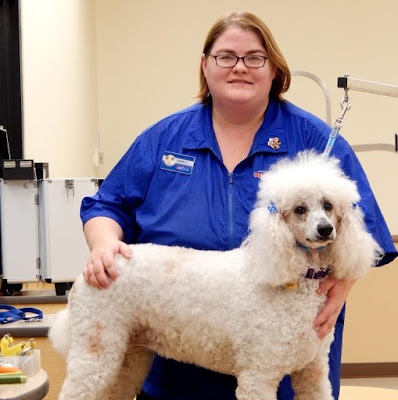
x: 247, y: 312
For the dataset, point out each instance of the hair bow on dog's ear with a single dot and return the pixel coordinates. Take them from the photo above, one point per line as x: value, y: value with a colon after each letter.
x: 272, y: 208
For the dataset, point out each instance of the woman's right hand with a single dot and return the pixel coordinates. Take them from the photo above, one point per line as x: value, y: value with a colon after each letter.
x: 101, y: 269
x: 104, y: 238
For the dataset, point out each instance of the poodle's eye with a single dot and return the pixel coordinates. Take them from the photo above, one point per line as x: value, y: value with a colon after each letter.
x: 300, y: 210
x: 328, y: 207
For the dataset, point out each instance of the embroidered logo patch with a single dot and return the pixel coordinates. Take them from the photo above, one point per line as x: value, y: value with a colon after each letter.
x: 174, y: 162
x: 274, y: 143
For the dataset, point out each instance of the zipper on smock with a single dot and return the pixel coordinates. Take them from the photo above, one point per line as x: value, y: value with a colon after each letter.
x: 230, y: 211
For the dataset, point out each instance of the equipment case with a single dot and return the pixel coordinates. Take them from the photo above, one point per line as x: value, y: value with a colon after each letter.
x: 63, y: 249
x: 19, y: 230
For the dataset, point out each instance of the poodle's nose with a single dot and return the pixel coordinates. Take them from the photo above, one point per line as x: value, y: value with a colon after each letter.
x: 325, y: 230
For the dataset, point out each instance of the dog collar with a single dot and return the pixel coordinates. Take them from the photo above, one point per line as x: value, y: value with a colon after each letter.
x: 14, y: 314
x: 306, y: 248
x: 311, y: 274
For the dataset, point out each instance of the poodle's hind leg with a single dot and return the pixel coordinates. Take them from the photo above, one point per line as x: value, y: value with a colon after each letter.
x: 253, y: 385
x: 88, y: 376
x: 312, y: 382
x: 94, y: 360
x: 132, y: 374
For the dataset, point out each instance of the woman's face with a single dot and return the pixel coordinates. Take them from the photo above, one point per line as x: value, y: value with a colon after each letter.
x: 238, y: 85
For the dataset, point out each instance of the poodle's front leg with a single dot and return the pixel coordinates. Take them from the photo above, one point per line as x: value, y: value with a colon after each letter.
x: 253, y: 385
x: 312, y: 382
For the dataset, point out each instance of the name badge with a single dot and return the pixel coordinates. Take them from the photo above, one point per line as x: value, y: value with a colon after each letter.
x: 174, y: 162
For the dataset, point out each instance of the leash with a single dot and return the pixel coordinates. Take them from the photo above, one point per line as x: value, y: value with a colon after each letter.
x: 345, y: 105
x: 15, y: 314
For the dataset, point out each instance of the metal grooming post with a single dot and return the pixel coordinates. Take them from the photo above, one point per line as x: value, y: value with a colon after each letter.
x: 360, y: 85
x: 324, y: 88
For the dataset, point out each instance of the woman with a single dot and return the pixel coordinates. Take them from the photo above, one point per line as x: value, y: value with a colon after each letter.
x: 191, y: 180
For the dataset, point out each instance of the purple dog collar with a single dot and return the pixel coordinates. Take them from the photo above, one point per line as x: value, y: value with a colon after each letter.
x: 311, y: 274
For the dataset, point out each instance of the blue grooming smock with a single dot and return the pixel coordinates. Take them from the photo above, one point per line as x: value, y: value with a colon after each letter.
x: 172, y: 188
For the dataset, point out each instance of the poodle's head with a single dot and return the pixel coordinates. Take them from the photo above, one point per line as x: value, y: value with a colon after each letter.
x: 308, y: 204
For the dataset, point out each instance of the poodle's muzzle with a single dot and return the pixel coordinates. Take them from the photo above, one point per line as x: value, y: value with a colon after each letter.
x: 321, y: 229
x: 325, y: 230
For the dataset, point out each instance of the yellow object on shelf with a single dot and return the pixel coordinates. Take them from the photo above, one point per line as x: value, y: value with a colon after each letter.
x: 24, y: 356
x: 23, y: 348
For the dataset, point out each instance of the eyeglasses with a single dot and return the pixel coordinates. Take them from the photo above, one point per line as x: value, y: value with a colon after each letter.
x: 230, y: 60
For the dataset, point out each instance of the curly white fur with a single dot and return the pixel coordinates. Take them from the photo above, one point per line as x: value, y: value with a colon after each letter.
x: 226, y: 311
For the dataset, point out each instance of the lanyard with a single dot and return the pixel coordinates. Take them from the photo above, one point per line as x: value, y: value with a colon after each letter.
x: 14, y: 314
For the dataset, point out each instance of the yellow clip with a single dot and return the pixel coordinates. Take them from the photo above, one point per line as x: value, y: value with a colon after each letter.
x: 28, y: 347
x: 6, y: 350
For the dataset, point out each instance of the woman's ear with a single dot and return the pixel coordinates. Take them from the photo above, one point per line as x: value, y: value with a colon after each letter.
x: 203, y: 61
x: 274, y: 70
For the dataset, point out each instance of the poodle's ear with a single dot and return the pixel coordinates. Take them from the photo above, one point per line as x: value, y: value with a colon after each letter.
x: 272, y: 251
x: 354, y: 251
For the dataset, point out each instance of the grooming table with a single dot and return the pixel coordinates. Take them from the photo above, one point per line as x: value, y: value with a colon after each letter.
x: 34, y: 389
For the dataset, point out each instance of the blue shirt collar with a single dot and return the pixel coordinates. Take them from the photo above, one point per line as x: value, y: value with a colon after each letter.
x: 201, y: 134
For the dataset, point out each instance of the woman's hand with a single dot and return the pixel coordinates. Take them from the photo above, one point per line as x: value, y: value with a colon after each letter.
x: 337, y: 291
x: 101, y: 269
x: 104, y: 237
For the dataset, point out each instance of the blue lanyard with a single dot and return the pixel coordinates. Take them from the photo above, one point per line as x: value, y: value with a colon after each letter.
x: 15, y: 314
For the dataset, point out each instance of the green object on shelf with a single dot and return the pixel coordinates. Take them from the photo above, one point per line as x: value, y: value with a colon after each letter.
x: 13, y: 378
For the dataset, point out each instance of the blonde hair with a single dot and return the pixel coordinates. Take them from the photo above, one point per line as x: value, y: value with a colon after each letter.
x: 250, y: 22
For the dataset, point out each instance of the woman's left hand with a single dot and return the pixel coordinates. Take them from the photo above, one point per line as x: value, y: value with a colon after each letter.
x: 337, y: 291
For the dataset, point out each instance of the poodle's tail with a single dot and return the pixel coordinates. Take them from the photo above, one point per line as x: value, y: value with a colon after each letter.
x: 60, y: 330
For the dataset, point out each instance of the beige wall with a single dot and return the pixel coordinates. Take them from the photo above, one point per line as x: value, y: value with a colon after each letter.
x: 59, y: 84
x: 371, y: 328
x: 120, y: 65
